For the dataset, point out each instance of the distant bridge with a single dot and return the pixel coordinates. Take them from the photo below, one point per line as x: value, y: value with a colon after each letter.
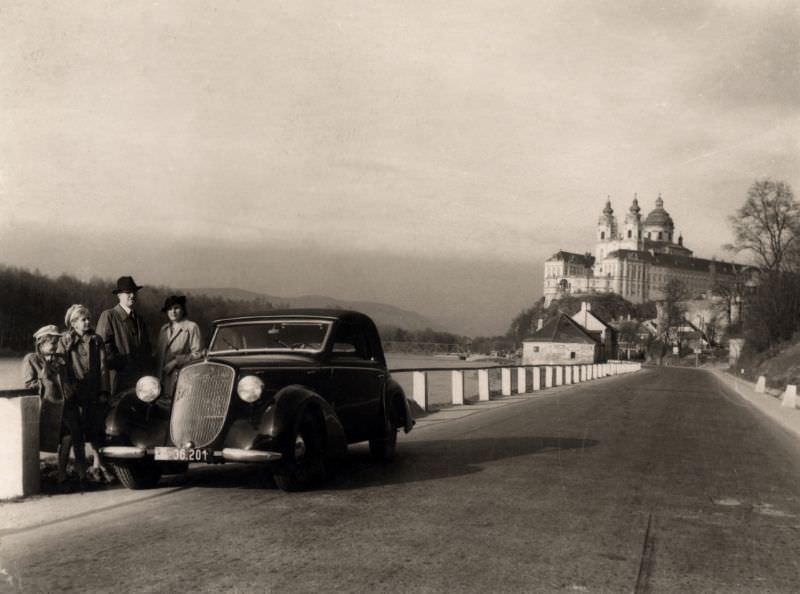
x: 425, y: 348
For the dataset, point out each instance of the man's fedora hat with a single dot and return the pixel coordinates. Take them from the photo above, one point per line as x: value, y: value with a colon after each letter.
x: 174, y: 300
x: 126, y: 284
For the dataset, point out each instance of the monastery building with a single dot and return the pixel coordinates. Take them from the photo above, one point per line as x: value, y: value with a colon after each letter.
x: 635, y: 260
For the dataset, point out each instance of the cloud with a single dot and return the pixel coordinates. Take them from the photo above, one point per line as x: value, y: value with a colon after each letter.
x: 456, y: 131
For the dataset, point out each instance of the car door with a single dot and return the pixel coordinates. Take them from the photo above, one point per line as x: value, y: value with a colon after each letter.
x: 359, y: 381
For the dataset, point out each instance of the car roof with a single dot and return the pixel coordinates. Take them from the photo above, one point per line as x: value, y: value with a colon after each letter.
x: 311, y: 313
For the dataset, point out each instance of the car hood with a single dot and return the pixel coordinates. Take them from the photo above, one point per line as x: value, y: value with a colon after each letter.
x: 267, y: 361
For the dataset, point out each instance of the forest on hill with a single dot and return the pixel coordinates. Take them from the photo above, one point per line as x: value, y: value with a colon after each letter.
x: 30, y: 299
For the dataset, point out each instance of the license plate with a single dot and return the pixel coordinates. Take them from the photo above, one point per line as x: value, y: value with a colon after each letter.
x: 182, y: 454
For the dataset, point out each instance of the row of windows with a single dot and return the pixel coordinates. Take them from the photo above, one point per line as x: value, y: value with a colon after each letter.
x: 659, y: 235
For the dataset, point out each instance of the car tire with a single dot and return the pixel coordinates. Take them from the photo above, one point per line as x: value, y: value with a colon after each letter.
x: 137, y: 474
x: 382, y: 449
x: 302, y: 465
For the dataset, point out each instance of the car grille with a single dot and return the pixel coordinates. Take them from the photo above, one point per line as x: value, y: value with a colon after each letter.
x: 201, y: 403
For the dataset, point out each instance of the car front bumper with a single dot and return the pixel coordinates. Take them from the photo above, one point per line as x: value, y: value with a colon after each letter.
x: 226, y: 454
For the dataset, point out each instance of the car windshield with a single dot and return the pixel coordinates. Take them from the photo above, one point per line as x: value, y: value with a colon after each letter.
x: 270, y: 335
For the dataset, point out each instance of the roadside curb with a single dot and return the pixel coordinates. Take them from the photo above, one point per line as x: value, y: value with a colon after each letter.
x: 767, y: 403
x: 473, y: 407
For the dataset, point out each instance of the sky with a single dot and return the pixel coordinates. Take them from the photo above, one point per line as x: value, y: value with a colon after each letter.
x: 430, y: 155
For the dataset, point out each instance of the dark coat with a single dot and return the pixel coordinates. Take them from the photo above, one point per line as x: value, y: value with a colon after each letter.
x: 127, y: 347
x: 86, y: 364
x: 87, y: 374
x: 59, y: 413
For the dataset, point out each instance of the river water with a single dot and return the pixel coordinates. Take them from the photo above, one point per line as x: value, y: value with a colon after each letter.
x: 438, y: 381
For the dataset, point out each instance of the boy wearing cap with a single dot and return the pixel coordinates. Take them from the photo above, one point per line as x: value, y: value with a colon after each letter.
x: 125, y: 339
x: 60, y: 425
x: 179, y: 343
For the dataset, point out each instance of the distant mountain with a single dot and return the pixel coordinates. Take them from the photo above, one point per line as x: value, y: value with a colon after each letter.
x: 381, y: 313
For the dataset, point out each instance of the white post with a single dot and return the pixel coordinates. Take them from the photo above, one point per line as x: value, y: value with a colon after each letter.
x: 19, y: 446
x: 567, y: 374
x: 483, y: 385
x: 761, y: 384
x: 537, y: 379
x: 522, y: 380
x: 548, y: 377
x: 789, y: 399
x: 505, y: 380
x: 584, y: 373
x: 457, y: 386
x: 559, y: 375
x: 420, y: 379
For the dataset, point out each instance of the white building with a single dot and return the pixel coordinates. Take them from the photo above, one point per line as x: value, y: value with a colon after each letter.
x: 635, y: 260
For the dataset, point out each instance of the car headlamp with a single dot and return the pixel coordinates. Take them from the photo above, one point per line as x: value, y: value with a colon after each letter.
x: 148, y: 388
x: 249, y: 388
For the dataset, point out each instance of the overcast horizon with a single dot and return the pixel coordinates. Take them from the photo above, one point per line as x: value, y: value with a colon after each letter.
x: 426, y: 155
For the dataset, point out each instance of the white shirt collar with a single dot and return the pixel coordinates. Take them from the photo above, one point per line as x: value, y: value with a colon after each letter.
x: 127, y: 311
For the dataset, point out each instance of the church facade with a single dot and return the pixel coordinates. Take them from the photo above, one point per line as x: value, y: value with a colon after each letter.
x: 634, y: 258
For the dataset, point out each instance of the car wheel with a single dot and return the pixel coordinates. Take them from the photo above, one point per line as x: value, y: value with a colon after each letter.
x: 137, y: 474
x: 383, y: 448
x: 302, y: 464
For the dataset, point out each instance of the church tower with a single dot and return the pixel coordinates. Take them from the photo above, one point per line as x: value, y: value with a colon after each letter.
x: 607, y: 224
x: 631, y: 238
x: 606, y: 231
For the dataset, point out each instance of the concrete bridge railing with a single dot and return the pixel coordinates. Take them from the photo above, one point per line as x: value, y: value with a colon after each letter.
x: 19, y: 443
x: 519, y: 379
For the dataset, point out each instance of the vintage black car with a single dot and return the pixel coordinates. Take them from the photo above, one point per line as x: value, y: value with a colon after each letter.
x: 289, y: 390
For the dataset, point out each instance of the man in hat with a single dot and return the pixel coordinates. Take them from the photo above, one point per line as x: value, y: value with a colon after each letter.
x: 124, y: 334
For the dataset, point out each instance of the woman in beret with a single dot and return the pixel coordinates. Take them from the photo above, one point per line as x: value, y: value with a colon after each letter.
x: 179, y: 343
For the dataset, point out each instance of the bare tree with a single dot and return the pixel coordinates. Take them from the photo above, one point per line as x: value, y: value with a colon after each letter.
x: 730, y: 291
x: 672, y: 309
x: 768, y: 224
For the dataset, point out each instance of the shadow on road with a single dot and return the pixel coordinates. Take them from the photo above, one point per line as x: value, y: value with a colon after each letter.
x: 437, y: 459
x: 415, y: 461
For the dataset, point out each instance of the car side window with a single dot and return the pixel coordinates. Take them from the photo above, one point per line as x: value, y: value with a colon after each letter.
x: 350, y: 341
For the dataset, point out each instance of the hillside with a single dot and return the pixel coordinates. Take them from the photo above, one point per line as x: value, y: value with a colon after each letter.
x: 781, y: 366
x: 383, y: 314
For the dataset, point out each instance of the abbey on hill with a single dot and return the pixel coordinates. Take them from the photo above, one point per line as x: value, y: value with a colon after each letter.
x: 635, y: 261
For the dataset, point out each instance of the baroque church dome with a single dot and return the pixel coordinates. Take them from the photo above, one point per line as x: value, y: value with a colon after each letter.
x: 659, y: 217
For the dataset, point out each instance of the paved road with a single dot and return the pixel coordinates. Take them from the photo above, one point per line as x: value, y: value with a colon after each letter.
x: 661, y: 481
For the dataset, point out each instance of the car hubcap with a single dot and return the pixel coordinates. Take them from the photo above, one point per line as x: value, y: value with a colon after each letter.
x: 299, y: 447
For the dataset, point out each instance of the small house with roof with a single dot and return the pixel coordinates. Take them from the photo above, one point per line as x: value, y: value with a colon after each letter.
x: 602, y: 330
x: 561, y: 341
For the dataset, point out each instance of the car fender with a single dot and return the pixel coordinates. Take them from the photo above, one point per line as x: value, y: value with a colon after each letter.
x: 397, y: 405
x: 131, y: 421
x: 288, y: 406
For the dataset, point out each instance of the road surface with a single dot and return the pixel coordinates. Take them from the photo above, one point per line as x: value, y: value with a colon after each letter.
x: 659, y: 481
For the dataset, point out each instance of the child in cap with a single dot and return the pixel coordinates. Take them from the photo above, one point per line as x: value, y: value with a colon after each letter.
x: 60, y: 426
